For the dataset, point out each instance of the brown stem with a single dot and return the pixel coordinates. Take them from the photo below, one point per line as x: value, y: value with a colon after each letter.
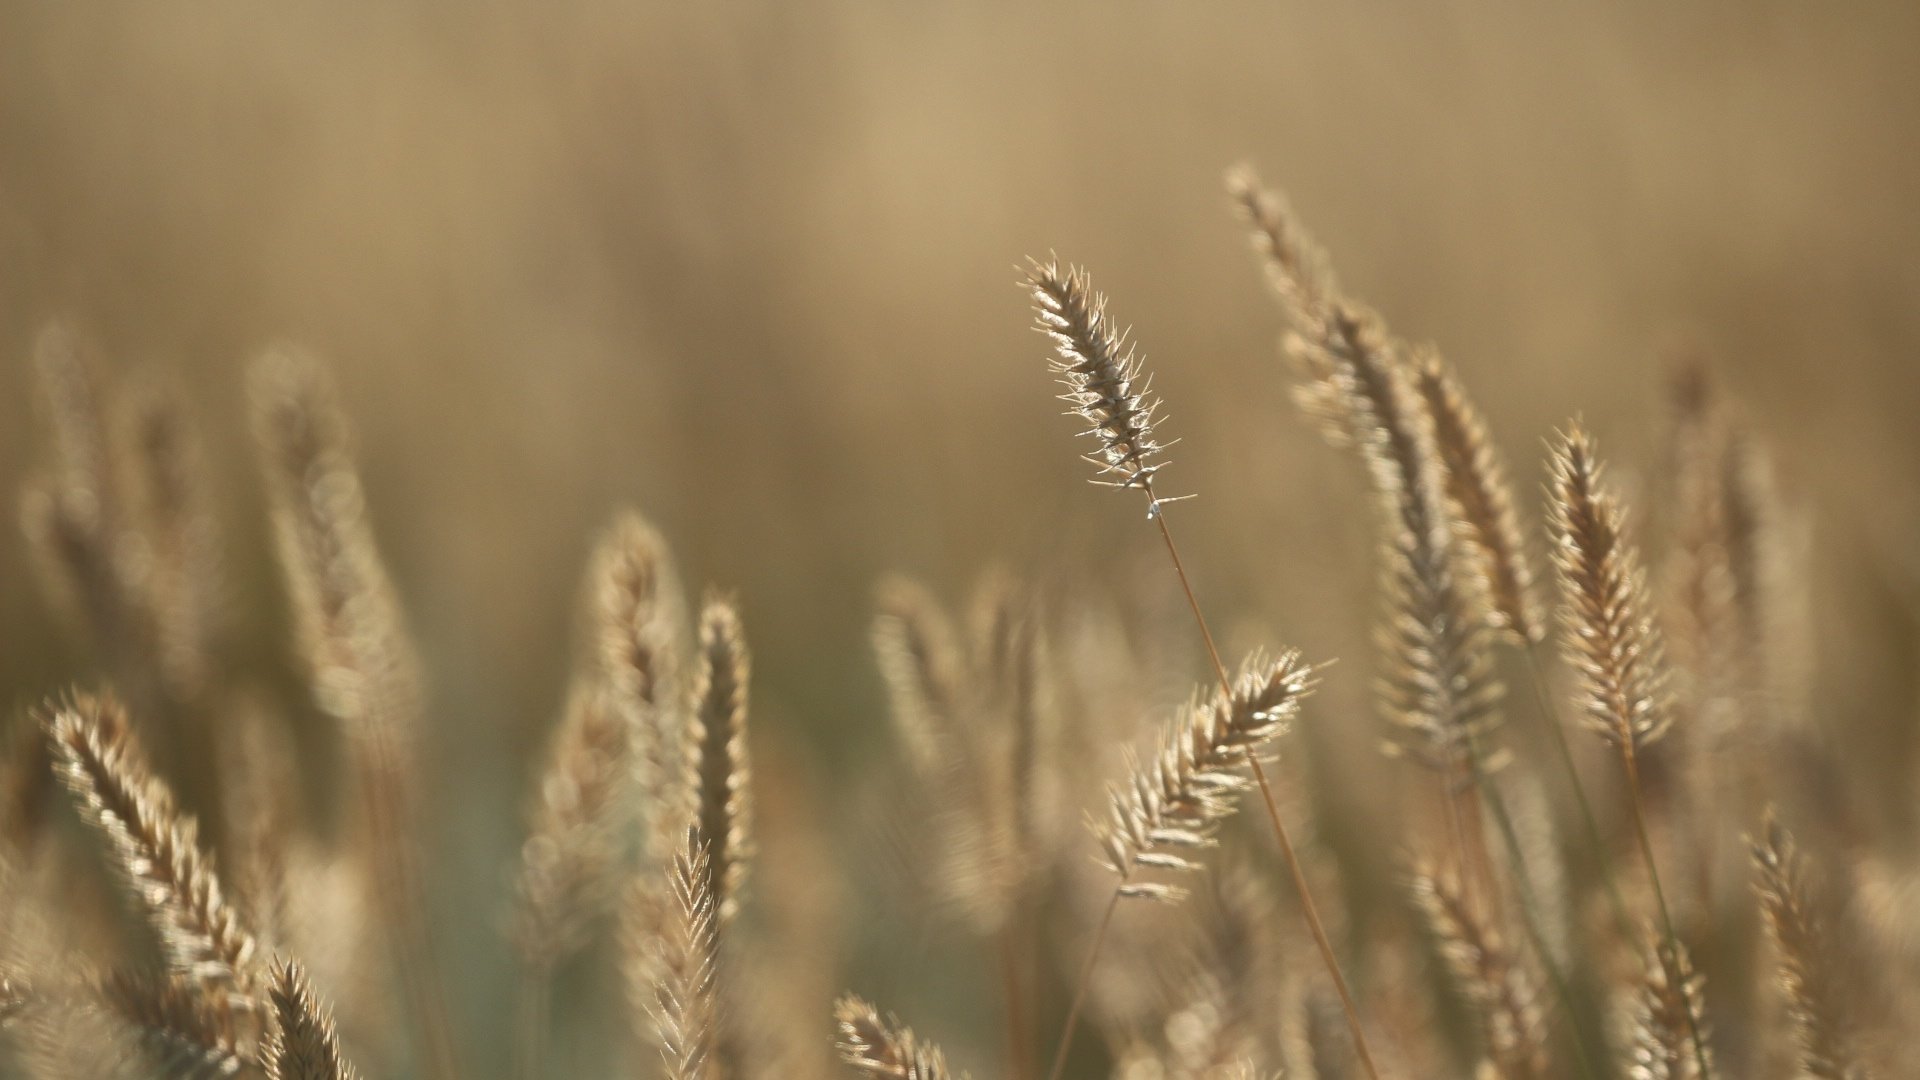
x: 1287, y: 853
x: 408, y: 929
x: 1080, y: 987
x: 1019, y: 1040
x: 1550, y: 714
x: 534, y: 1008
x: 1669, y: 956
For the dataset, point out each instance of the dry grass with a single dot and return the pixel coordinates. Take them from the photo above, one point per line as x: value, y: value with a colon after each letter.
x: 669, y: 782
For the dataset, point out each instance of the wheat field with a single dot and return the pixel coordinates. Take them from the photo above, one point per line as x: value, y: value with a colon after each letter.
x: 546, y: 543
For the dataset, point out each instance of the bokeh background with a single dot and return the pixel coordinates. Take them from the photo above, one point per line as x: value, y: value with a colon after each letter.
x: 751, y: 268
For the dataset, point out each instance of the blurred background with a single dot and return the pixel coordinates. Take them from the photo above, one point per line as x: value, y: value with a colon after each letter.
x: 751, y: 269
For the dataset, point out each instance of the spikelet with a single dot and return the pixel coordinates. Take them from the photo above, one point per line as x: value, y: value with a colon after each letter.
x: 178, y: 554
x: 1664, y: 1011
x: 350, y: 629
x: 173, y: 1030
x: 304, y: 1045
x: 1438, y: 685
x: 968, y: 718
x: 1610, y: 636
x: 1490, y: 978
x: 683, y: 961
x: 360, y: 663
x: 717, y: 733
x: 635, y: 611
x: 1294, y: 262
x: 259, y: 805
x: 1806, y: 961
x: 1172, y: 804
x: 1482, y: 503
x: 566, y: 861
x: 884, y: 1047
x: 920, y: 658
x: 16, y: 996
x: 75, y: 521
x: 155, y: 848
x: 1102, y: 374
x: 1439, y: 689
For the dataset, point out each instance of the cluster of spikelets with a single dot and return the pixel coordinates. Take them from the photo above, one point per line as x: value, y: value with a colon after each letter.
x: 1557, y: 894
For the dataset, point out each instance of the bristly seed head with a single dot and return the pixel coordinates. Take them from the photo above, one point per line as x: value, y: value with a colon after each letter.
x: 1611, y: 639
x: 1174, y: 802
x: 1102, y: 374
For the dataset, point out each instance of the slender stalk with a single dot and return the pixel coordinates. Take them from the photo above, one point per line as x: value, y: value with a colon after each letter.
x: 533, y: 1006
x: 408, y: 928
x: 1497, y: 805
x: 1080, y: 987
x: 1019, y: 1040
x: 1550, y: 714
x: 1307, y: 907
x: 1674, y: 976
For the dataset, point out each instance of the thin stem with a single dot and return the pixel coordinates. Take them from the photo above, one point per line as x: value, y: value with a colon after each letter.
x: 408, y: 929
x: 1668, y: 958
x: 1019, y: 1041
x: 1528, y: 902
x: 1292, y: 860
x: 1312, y: 913
x: 1080, y: 987
x: 534, y: 1003
x: 1550, y: 714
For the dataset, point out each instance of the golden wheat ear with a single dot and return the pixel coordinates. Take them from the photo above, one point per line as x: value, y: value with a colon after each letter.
x: 567, y: 861
x: 635, y: 613
x: 881, y: 1046
x: 1104, y: 377
x: 718, y: 734
x: 1660, y: 1015
x: 1169, y: 807
x: 1610, y: 636
x: 155, y: 848
x: 1296, y: 266
x: 1481, y: 501
x: 676, y: 954
x: 170, y: 506
x: 920, y: 658
x: 171, y: 1028
x: 304, y: 1045
x: 1487, y: 975
x: 1816, y: 988
x: 361, y: 664
x: 74, y: 519
x: 351, y: 633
